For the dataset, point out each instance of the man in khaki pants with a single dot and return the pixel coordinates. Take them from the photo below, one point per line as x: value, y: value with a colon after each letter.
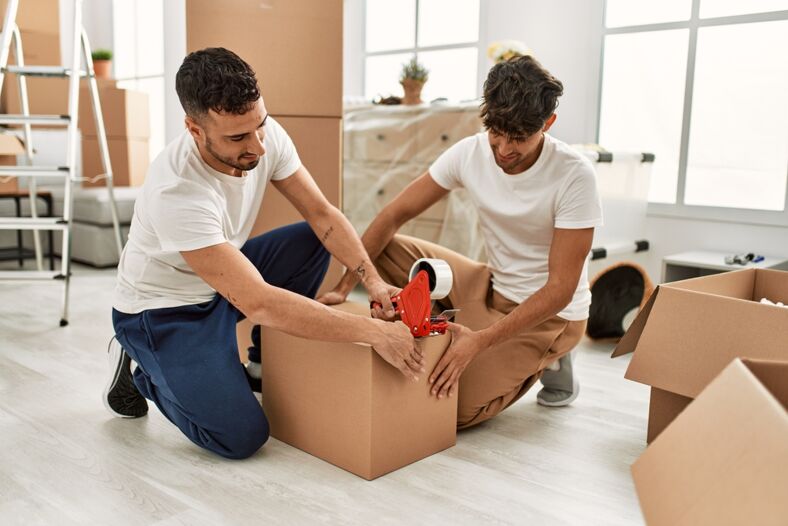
x: 538, y: 204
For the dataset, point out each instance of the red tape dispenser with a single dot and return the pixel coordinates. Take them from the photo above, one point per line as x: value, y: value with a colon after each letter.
x: 430, y: 279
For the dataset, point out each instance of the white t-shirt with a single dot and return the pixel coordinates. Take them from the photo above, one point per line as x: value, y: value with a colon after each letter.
x: 517, y: 213
x: 185, y: 205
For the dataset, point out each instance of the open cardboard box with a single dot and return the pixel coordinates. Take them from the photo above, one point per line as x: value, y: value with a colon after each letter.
x: 724, y: 460
x: 689, y: 331
x: 343, y: 403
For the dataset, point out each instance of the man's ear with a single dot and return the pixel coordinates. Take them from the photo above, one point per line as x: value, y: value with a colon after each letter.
x: 549, y: 122
x: 194, y: 128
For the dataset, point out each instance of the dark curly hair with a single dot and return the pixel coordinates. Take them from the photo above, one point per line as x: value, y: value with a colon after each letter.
x: 519, y: 96
x: 215, y: 79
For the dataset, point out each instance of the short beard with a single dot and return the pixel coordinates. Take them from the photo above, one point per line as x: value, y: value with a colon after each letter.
x: 235, y: 163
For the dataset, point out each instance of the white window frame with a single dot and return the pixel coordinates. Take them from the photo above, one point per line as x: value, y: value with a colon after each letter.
x: 414, y: 51
x: 680, y: 209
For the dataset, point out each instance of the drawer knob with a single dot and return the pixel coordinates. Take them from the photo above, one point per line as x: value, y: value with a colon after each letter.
x: 444, y: 137
x: 380, y: 136
x: 381, y: 191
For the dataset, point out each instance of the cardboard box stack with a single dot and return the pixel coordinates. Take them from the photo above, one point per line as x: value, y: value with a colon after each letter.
x: 39, y: 26
x: 343, y: 403
x: 689, y: 331
x: 295, y: 49
x: 127, y: 125
x: 724, y: 460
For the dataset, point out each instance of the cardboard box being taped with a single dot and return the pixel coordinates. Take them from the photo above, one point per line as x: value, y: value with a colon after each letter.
x: 724, y: 460
x: 342, y: 403
x: 690, y: 330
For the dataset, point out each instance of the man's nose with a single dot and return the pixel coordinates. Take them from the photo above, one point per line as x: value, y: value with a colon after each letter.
x: 256, y: 147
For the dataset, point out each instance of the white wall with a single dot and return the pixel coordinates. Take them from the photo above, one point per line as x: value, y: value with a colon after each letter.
x: 174, y: 53
x: 566, y: 37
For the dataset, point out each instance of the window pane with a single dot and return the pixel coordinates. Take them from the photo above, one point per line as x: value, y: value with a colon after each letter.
x: 643, y: 100
x: 124, y: 41
x: 712, y: 8
x: 738, y: 149
x: 433, y: 17
x: 390, y: 25
x: 150, y: 37
x: 452, y: 74
x: 381, y: 75
x: 620, y: 13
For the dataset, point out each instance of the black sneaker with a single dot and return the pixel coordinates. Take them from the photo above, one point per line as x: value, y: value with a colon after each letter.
x: 121, y: 397
x: 255, y: 383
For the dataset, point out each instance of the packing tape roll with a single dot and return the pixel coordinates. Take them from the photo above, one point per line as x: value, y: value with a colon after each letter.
x: 439, y: 273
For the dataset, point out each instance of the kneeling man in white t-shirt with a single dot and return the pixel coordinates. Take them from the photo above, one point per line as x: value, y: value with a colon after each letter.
x: 189, y: 271
x: 537, y: 201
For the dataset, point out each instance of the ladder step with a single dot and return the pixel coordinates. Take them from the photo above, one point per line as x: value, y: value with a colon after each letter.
x: 33, y: 223
x: 40, y: 120
x: 30, y: 275
x: 33, y: 171
x: 42, y: 71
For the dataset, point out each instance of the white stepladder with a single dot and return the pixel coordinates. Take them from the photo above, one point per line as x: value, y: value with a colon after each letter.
x: 80, y: 50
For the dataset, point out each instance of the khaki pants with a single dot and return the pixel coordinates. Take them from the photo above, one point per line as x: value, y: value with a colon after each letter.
x: 500, y: 375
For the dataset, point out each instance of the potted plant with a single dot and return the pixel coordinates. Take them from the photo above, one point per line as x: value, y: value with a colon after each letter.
x: 412, y: 78
x: 102, y: 63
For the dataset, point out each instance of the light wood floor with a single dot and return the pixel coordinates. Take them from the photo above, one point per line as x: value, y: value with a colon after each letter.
x: 65, y: 460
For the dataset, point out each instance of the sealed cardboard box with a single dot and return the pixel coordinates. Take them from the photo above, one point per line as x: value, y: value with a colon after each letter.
x: 294, y: 47
x: 42, y: 16
x: 48, y: 96
x: 689, y: 331
x: 129, y: 159
x: 342, y: 403
x: 10, y: 147
x: 724, y: 460
x: 125, y: 112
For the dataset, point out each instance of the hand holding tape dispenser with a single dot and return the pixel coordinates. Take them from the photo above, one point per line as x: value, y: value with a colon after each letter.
x: 429, y: 279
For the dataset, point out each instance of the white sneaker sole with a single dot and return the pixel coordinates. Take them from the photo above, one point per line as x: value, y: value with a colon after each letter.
x: 565, y: 401
x: 114, y: 353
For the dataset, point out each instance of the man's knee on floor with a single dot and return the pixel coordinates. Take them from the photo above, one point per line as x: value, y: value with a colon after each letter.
x: 241, y: 440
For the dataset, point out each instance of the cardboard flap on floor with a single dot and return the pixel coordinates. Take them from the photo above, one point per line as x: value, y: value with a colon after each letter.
x: 689, y: 475
x: 690, y: 330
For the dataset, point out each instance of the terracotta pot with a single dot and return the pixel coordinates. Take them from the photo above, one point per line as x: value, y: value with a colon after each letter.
x: 412, y: 88
x: 103, y: 69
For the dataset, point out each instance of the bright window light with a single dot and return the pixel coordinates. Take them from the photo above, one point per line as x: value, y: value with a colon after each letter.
x: 390, y: 25
x: 434, y: 29
x: 738, y: 148
x: 715, y: 8
x: 620, y: 13
x: 381, y: 75
x: 643, y: 100
x: 452, y: 74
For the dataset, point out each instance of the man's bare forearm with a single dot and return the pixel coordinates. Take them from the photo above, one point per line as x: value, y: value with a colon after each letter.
x: 379, y: 234
x: 294, y: 314
x: 340, y: 238
x: 541, y: 306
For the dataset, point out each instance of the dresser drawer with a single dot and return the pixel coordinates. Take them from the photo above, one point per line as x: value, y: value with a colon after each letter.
x: 438, y: 131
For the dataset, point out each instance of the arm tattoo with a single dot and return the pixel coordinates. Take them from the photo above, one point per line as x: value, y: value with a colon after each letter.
x: 361, y: 271
x: 327, y: 234
x: 231, y: 299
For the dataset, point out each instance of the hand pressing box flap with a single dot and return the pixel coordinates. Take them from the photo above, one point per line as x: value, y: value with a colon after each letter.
x: 342, y: 403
